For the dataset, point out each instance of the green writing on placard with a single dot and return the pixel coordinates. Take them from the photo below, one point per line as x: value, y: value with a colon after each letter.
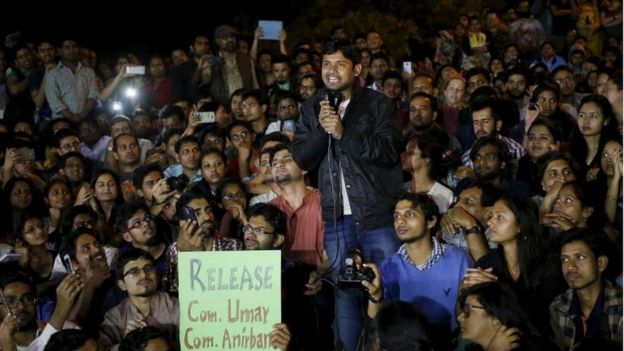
x: 229, y: 300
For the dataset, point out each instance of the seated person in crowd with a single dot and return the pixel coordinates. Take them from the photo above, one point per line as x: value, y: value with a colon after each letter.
x: 592, y: 307
x: 19, y: 316
x: 424, y: 271
x: 136, y: 274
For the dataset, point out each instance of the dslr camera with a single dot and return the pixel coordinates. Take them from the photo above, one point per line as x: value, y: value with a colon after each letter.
x: 353, y: 273
x: 178, y: 183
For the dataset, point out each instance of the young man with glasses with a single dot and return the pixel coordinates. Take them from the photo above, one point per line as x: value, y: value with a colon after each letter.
x: 18, y: 311
x: 138, y: 228
x: 301, y: 309
x: 145, y: 306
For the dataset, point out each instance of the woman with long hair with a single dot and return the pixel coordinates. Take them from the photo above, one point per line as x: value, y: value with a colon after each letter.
x: 492, y: 317
x: 521, y: 258
x: 32, y: 243
x: 541, y: 138
x: 107, y: 198
x: 596, y: 125
x: 546, y: 98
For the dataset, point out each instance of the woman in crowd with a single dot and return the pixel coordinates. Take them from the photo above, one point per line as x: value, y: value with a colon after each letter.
x: 108, y: 196
x: 522, y: 258
x: 58, y: 197
x: 542, y: 137
x: 213, y: 166
x: 554, y: 169
x: 19, y: 196
x: 546, y: 97
x: 233, y: 200
x: 423, y: 159
x: 32, y: 243
x: 596, y: 125
x: 493, y: 318
x: 452, y: 104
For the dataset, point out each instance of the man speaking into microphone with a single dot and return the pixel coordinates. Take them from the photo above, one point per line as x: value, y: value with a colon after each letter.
x: 348, y: 133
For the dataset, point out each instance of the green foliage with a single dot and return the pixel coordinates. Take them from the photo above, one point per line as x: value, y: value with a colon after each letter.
x: 397, y: 21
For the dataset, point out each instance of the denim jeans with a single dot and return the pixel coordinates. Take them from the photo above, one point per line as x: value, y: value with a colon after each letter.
x: 375, y: 244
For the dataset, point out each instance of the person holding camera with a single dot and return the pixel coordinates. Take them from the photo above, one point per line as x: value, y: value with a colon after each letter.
x: 355, y: 145
x: 188, y: 154
x: 424, y: 271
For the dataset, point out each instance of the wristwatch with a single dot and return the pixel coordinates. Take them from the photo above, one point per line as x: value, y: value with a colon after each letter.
x: 476, y: 229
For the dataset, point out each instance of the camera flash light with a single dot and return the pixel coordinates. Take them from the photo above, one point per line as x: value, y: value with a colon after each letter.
x: 116, y: 106
x: 131, y: 93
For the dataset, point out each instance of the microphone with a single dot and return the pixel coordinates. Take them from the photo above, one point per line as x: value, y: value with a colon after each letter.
x: 334, y: 99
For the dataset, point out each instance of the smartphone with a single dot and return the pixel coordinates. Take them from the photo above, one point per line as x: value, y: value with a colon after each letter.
x: 4, y: 302
x: 288, y: 125
x: 407, y: 67
x: 206, y: 117
x: 135, y: 70
x: 10, y: 257
x: 533, y: 106
x: 188, y: 214
x: 67, y: 262
x: 216, y: 60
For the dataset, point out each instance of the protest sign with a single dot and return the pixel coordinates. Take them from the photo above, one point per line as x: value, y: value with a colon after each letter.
x: 229, y: 300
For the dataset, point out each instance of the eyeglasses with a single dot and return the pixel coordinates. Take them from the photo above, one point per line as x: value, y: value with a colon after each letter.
x: 233, y: 196
x: 136, y: 271
x: 136, y: 224
x: 466, y: 309
x: 239, y: 137
x: 256, y: 231
x: 26, y: 300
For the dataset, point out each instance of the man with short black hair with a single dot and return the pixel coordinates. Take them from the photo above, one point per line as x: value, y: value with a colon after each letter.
x: 302, y: 206
x: 70, y: 340
x: 146, y: 305
x: 307, y: 316
x: 355, y: 146
x: 70, y: 86
x: 491, y: 162
x: 196, y: 234
x: 138, y: 229
x: 145, y: 339
x: 19, y: 312
x: 424, y: 271
x: 592, y: 307
x: 188, y: 155
x: 487, y: 122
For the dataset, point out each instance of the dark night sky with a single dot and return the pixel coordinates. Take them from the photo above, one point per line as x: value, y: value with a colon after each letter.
x: 128, y: 25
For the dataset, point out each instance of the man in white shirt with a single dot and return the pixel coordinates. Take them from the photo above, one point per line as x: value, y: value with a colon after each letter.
x: 19, y: 329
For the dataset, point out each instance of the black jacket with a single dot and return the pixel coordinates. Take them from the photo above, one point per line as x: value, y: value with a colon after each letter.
x: 368, y: 153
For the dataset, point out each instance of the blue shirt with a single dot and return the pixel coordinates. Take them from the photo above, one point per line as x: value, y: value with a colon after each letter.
x: 433, y: 290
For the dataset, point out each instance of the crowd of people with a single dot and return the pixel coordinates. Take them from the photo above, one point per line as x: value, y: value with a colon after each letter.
x: 465, y: 196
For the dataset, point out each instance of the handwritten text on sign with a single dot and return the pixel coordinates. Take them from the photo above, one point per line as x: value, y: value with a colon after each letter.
x: 229, y: 300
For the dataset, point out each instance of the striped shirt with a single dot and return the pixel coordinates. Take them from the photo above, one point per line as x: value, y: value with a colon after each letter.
x: 436, y: 253
x: 66, y: 89
x: 515, y: 150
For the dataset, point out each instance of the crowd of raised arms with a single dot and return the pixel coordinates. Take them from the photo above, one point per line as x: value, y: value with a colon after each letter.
x: 464, y: 195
